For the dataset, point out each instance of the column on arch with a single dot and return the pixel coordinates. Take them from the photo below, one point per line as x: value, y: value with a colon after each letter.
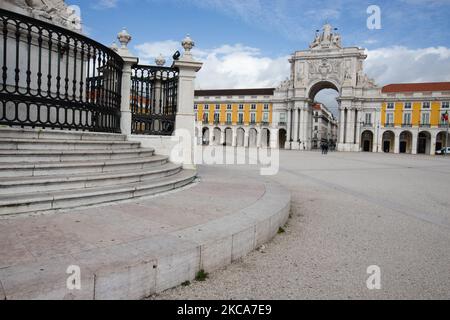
x: 350, y: 137
x: 289, y: 126
x: 296, y: 124
x: 397, y: 143
x: 342, y: 124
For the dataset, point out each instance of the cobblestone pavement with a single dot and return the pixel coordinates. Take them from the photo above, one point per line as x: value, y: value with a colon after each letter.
x: 350, y: 211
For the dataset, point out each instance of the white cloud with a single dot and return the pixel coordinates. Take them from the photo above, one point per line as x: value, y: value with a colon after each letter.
x: 238, y: 66
x: 147, y: 52
x: 105, y: 4
x: 227, y: 66
x: 400, y: 64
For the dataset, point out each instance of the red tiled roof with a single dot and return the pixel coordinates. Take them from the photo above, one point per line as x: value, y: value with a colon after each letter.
x: 235, y: 92
x: 417, y: 87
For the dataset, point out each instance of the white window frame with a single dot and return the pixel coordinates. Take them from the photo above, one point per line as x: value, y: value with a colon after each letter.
x: 445, y: 105
x: 426, y: 105
x: 408, y: 105
x: 427, y: 114
x: 390, y: 106
x: 407, y: 118
x: 390, y: 120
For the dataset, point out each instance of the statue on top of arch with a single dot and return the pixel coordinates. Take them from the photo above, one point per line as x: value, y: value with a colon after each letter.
x: 327, y: 39
x: 54, y: 11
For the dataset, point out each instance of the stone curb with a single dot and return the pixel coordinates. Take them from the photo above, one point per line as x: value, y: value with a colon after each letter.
x: 151, y: 265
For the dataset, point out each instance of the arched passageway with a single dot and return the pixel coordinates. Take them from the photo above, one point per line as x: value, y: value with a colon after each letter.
x: 406, y: 139
x: 388, y: 142
x: 240, y: 141
x: 424, y: 143
x: 265, y: 138
x: 229, y: 137
x: 367, y: 141
x: 253, y: 138
x: 205, y: 136
x: 282, y: 137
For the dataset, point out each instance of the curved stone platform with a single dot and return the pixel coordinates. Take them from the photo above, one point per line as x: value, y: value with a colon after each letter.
x: 135, y: 249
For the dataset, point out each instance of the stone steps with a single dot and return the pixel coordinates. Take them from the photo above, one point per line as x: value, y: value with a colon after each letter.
x: 49, y: 170
x: 11, y: 133
x: 78, y: 167
x: 34, y: 156
x: 64, y: 145
x: 42, y: 201
x: 46, y: 183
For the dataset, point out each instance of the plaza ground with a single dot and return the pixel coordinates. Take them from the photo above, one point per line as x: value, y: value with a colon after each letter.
x: 349, y: 211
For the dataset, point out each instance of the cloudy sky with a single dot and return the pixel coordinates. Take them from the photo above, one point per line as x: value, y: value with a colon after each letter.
x: 246, y: 43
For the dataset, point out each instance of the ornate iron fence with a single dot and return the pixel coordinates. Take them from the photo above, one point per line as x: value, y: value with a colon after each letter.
x: 52, y: 77
x: 153, y: 100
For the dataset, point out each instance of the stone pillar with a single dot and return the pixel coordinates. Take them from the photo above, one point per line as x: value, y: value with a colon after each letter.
x: 211, y: 136
x: 415, y: 138
x: 247, y: 138
x: 125, y: 105
x: 273, y: 144
x: 301, y: 135
x: 185, y: 118
x: 350, y: 139
x: 358, y: 130
x: 222, y: 137
x: 433, y: 144
x: 397, y: 143
x: 296, y: 126
x: 258, y: 139
x: 234, y: 137
x: 289, y: 130
x: 342, y: 124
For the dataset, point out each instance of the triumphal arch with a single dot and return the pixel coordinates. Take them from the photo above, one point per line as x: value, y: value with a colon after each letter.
x: 326, y: 65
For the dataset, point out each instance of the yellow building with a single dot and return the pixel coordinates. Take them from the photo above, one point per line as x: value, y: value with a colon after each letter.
x: 235, y: 117
x: 411, y: 119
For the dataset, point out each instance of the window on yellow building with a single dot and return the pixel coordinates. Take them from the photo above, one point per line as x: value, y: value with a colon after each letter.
x: 390, y: 105
x: 265, y: 117
x: 229, y: 107
x: 408, y: 105
x: 241, y: 107
x: 253, y: 106
x: 426, y: 105
x: 266, y: 107
x: 205, y: 117
x: 206, y: 106
x: 253, y: 118
x: 241, y: 118
x: 228, y: 118
x: 389, y: 119
x: 407, y: 118
x: 445, y: 105
x: 195, y: 106
x: 425, y: 119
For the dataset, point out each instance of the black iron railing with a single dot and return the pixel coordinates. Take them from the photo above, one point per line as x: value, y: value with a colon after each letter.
x: 54, y: 78
x: 154, y: 93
